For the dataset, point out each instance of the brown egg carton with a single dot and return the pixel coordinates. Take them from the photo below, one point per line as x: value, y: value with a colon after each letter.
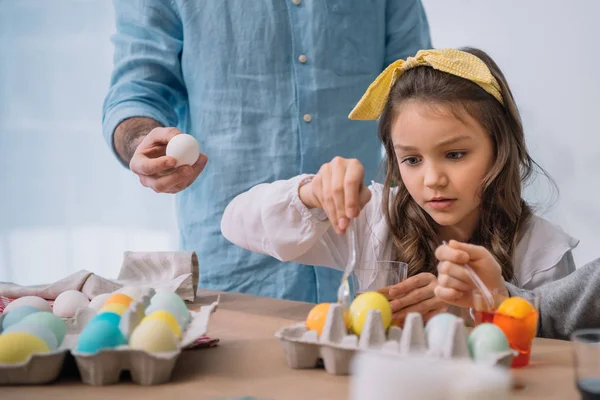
x: 105, y: 367
x: 336, y: 348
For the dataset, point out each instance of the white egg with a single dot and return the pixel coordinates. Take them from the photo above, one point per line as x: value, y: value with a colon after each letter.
x: 67, y: 303
x: 32, y: 301
x: 98, y: 301
x: 184, y: 148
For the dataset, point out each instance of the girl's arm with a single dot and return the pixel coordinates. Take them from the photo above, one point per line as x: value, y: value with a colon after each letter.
x: 271, y: 219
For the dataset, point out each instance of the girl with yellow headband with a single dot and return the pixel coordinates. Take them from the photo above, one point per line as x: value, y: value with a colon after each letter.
x: 456, y: 162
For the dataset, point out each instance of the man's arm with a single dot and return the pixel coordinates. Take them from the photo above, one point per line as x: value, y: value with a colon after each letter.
x: 568, y: 304
x: 147, y: 85
x: 407, y: 30
x: 129, y: 134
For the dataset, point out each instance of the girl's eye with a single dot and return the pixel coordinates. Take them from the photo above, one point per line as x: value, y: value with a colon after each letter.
x: 455, y: 155
x: 411, y: 160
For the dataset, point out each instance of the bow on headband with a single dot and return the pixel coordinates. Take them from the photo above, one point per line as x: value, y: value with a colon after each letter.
x: 451, y: 61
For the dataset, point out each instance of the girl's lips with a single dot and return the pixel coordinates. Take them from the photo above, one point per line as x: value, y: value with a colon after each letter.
x: 441, y: 204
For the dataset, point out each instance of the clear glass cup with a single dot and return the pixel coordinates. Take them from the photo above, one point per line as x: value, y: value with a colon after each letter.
x: 586, y: 357
x: 519, y: 331
x: 371, y: 276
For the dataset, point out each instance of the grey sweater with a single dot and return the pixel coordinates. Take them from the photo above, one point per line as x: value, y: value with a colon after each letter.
x: 568, y: 304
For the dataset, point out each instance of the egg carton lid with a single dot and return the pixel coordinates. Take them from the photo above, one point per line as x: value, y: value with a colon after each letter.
x: 105, y: 367
x: 303, y: 348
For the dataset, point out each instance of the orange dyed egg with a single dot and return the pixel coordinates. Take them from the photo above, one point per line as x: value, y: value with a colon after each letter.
x: 518, y: 320
x: 317, y: 316
x: 119, y: 298
x: 516, y: 307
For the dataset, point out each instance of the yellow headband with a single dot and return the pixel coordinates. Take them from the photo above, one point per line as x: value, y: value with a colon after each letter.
x: 451, y: 61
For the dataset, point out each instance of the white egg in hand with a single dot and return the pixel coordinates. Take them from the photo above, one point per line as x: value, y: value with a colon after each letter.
x: 184, y: 148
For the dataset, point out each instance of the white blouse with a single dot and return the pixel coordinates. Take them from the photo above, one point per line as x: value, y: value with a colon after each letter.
x: 271, y: 219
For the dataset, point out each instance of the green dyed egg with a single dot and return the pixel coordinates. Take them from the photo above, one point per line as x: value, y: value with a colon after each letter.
x: 54, y: 323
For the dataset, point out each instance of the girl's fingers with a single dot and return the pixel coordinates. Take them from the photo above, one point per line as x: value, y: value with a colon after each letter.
x: 451, y: 296
x: 327, y: 201
x: 338, y: 178
x: 452, y: 283
x: 447, y: 253
x: 458, y: 272
x: 353, y: 181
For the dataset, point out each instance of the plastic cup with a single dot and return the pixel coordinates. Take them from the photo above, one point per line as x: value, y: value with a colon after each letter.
x: 519, y: 331
x: 371, y: 276
x: 586, y: 357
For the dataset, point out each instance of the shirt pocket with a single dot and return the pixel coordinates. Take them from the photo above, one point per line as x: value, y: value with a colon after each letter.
x: 356, y: 32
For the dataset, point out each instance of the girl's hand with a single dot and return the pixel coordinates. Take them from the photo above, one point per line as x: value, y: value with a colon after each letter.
x: 415, y: 294
x: 338, y: 189
x: 454, y: 284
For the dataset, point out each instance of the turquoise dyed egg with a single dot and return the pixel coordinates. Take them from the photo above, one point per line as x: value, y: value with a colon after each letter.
x: 108, y: 316
x: 98, y: 336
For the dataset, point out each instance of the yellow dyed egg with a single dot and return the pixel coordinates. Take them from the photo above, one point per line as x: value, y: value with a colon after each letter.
x: 167, y: 318
x: 365, y: 302
x: 119, y: 298
x: 116, y: 308
x: 16, y: 347
x: 153, y: 335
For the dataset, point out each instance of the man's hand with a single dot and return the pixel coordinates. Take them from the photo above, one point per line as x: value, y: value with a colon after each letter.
x: 142, y: 143
x: 156, y: 170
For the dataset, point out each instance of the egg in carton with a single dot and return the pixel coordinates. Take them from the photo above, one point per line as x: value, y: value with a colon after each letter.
x: 303, y: 348
x: 41, y: 366
x: 104, y: 367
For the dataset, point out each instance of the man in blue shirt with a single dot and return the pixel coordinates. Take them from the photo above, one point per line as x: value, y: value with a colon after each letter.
x: 265, y: 86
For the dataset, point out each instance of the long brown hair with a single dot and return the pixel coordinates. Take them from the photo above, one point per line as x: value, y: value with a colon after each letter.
x: 504, y: 213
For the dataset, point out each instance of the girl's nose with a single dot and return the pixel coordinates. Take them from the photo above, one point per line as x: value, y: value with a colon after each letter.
x: 434, y: 177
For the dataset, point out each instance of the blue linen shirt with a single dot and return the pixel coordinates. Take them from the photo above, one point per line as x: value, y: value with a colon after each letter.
x: 266, y: 87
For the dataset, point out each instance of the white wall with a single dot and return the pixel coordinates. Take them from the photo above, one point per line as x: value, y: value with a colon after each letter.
x: 549, y: 51
x: 65, y: 202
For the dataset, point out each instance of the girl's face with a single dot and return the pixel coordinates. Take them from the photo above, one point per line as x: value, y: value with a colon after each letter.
x: 443, y: 161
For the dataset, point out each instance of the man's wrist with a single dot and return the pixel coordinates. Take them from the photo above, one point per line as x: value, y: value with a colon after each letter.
x: 130, y: 133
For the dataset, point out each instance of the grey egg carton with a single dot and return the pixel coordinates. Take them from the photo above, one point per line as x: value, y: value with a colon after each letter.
x: 105, y: 367
x: 304, y: 349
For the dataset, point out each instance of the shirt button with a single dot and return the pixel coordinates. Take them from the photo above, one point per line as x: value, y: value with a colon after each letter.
x: 296, y: 2
x: 307, y: 118
x: 302, y: 58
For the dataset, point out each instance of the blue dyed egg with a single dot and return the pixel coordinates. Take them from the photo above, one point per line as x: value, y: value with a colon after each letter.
x: 100, y: 335
x: 16, y: 315
x: 438, y: 328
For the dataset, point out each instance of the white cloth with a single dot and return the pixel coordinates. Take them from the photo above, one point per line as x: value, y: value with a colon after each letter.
x: 271, y: 219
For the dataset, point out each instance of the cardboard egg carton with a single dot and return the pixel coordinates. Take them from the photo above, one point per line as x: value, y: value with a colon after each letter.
x: 303, y: 348
x: 45, y: 367
x: 105, y: 366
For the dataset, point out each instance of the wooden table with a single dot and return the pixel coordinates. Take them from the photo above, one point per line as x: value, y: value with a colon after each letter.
x: 249, y: 361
